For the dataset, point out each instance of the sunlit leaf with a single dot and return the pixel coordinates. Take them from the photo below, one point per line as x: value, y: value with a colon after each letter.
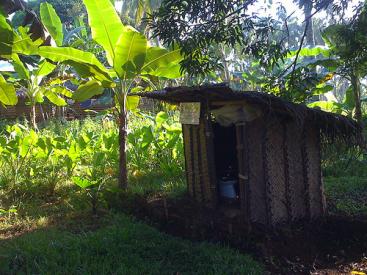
x: 88, y: 90
x: 82, y: 183
x: 130, y: 53
x: 24, y: 44
x: 63, y: 91
x: 132, y: 102
x: 54, y: 97
x: 62, y: 54
x: 52, y: 22
x: 19, y: 67
x: 158, y: 59
x: 105, y: 25
x: 7, y: 36
x: 161, y: 118
x: 8, y: 95
x: 310, y: 52
x: 328, y: 106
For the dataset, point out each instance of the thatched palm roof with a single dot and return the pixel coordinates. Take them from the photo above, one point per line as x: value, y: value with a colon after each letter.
x: 332, y: 126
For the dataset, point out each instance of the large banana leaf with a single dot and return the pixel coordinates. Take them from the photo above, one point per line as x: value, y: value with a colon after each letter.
x: 8, y: 95
x: 132, y: 102
x: 88, y: 90
x: 310, y: 52
x: 130, y: 53
x: 92, y: 71
x: 19, y: 67
x: 327, y: 106
x: 61, y: 90
x: 52, y: 96
x: 23, y: 43
x: 52, y: 22
x: 45, y: 68
x: 63, y: 54
x: 105, y: 24
x: 7, y: 36
x: 158, y: 60
x: 171, y: 71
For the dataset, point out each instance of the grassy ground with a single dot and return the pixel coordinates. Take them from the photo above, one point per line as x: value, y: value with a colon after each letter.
x: 124, y: 246
x: 60, y: 235
x: 347, y: 195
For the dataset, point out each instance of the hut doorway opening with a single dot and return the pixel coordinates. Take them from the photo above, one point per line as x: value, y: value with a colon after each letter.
x: 226, y: 163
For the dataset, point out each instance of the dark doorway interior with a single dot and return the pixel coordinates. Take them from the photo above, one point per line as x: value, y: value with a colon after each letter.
x: 225, y: 153
x: 225, y: 149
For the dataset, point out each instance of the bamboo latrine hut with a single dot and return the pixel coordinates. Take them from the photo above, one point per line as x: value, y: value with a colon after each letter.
x: 255, y: 153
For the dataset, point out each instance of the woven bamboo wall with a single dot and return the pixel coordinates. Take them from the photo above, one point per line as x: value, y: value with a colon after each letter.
x: 258, y: 202
x: 284, y: 171
x: 312, y: 167
x: 13, y: 112
x: 73, y: 111
x: 294, y: 163
x: 200, y: 170
x: 275, y: 170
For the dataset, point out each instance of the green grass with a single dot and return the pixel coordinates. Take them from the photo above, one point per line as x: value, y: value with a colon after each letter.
x: 158, y: 183
x: 125, y: 246
x: 347, y: 195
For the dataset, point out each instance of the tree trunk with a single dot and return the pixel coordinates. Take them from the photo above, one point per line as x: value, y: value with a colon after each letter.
x: 356, y: 84
x: 33, y: 116
x: 122, y: 145
x: 42, y: 113
x: 226, y: 73
x: 310, y: 36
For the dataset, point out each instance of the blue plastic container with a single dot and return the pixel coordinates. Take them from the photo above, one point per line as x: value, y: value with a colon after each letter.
x: 227, y: 188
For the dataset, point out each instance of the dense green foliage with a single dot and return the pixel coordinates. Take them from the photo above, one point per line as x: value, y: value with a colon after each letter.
x: 38, y: 162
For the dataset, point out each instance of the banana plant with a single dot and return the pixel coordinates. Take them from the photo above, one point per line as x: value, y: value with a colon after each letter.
x: 18, y: 43
x: 38, y: 84
x: 130, y: 60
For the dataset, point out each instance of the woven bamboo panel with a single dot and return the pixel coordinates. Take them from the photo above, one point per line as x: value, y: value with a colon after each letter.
x: 275, y: 169
x: 187, y: 137
x: 13, y: 112
x: 295, y: 170
x: 257, y: 190
x: 200, y: 163
x: 315, y: 190
x: 72, y: 111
